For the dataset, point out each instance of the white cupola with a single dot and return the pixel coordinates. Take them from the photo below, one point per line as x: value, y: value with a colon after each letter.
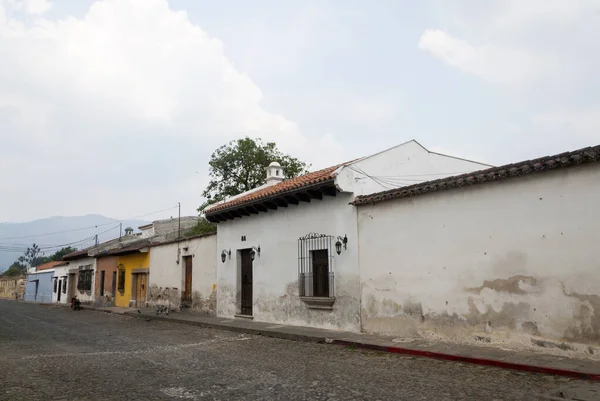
x: 274, y: 173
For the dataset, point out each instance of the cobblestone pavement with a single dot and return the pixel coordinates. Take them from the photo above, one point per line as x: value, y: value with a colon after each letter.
x: 54, y: 353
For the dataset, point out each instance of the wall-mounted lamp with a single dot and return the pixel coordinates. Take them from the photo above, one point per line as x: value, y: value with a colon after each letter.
x: 185, y: 249
x: 338, y: 244
x: 255, y: 251
x: 224, y: 255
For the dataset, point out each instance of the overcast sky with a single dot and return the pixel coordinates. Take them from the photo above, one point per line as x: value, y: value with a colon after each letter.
x: 114, y: 106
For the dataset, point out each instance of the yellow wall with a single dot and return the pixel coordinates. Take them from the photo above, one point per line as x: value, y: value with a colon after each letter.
x: 129, y: 263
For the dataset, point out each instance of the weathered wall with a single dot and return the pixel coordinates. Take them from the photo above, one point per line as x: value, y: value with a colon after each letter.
x: 12, y: 287
x: 139, y: 260
x: 275, y: 271
x: 61, y: 276
x: 167, y: 277
x: 512, y: 261
x: 107, y: 264
x: 44, y: 288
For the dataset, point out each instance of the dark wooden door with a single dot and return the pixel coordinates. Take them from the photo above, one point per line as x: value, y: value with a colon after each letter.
x: 102, y: 277
x: 60, y: 284
x: 320, y: 265
x: 246, y: 308
x: 187, y: 289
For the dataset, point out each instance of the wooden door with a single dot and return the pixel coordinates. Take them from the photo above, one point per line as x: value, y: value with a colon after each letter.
x: 60, y: 284
x: 246, y: 307
x: 102, y: 277
x: 320, y: 265
x: 73, y: 286
x: 114, y: 285
x: 187, y: 288
x: 140, y: 289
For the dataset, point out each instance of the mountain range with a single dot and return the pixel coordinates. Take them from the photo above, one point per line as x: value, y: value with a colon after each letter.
x: 52, y: 233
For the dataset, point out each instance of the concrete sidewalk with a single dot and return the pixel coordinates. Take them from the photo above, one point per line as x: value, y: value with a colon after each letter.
x: 524, y: 361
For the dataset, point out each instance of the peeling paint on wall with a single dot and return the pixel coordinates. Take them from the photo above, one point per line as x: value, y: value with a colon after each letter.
x: 167, y: 296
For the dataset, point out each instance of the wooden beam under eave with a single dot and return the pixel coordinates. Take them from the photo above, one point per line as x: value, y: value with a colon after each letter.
x: 270, y: 205
x: 303, y: 197
x: 227, y: 216
x: 212, y: 219
x: 243, y: 212
x: 291, y: 200
x: 280, y: 202
x: 315, y: 194
x: 235, y: 213
x: 329, y: 191
x: 251, y: 210
x: 261, y: 207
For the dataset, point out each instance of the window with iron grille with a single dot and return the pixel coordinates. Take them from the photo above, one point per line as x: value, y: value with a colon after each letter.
x: 84, y: 281
x: 121, y: 281
x: 55, y: 285
x: 315, y: 266
x: 64, y: 287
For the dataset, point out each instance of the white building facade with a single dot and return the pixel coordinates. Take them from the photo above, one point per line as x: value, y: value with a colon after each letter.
x: 61, y: 286
x: 81, y: 276
x: 509, y: 255
x: 183, y: 273
x: 288, y: 251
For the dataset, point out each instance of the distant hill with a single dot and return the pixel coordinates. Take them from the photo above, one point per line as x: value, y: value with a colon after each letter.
x: 80, y: 229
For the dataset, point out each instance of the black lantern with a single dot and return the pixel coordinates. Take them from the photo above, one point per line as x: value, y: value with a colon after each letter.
x: 224, y: 254
x: 339, y: 242
x: 255, y: 251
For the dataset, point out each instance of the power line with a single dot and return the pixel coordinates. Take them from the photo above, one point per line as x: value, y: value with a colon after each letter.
x: 87, y: 228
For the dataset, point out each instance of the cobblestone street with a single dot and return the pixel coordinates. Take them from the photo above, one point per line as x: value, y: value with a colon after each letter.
x: 54, y: 353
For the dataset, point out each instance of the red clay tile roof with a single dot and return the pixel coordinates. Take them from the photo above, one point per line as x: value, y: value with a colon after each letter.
x: 48, y: 265
x: 547, y: 163
x: 80, y: 254
x: 291, y: 185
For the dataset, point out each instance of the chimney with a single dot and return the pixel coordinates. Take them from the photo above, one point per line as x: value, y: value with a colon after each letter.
x: 274, y: 174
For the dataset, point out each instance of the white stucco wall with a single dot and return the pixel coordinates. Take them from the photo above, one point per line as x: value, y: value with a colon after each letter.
x: 167, y: 277
x: 514, y: 261
x: 84, y: 296
x: 61, y: 273
x: 275, y: 271
x: 402, y: 165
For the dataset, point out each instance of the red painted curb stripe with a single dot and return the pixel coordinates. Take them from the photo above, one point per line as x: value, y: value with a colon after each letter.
x: 474, y: 360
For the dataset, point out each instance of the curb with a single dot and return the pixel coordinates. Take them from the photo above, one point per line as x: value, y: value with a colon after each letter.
x: 382, y: 348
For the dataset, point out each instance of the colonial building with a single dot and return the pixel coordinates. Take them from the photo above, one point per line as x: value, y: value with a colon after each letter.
x: 184, y: 273
x: 12, y: 287
x: 288, y: 250
x: 508, y: 255
x: 133, y: 261
x: 61, y: 286
x: 39, y: 287
x: 81, y: 275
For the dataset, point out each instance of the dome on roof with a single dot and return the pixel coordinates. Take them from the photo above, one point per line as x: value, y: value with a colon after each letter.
x: 274, y: 164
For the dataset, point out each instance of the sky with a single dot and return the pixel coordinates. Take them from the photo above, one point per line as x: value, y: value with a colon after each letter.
x: 115, y: 106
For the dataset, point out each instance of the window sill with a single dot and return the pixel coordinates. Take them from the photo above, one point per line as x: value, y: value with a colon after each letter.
x: 323, y: 303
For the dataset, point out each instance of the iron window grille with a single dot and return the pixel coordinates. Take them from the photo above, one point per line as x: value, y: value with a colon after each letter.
x: 315, y: 266
x: 64, y: 287
x: 55, y: 285
x: 84, y: 281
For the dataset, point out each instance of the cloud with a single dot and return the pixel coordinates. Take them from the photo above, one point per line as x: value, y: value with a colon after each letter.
x: 514, y: 43
x: 37, y: 7
x: 124, y: 106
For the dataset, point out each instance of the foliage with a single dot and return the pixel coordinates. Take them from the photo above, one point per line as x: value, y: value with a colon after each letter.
x: 32, y: 256
x: 16, y: 269
x: 203, y: 227
x: 58, y: 255
x: 239, y: 166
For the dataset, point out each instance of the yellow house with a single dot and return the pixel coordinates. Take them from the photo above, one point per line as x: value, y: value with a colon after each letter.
x: 132, y: 275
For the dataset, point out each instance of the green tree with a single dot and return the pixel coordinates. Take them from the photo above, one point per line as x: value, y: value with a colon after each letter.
x: 16, y: 269
x: 239, y: 166
x: 33, y: 256
x: 58, y: 255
